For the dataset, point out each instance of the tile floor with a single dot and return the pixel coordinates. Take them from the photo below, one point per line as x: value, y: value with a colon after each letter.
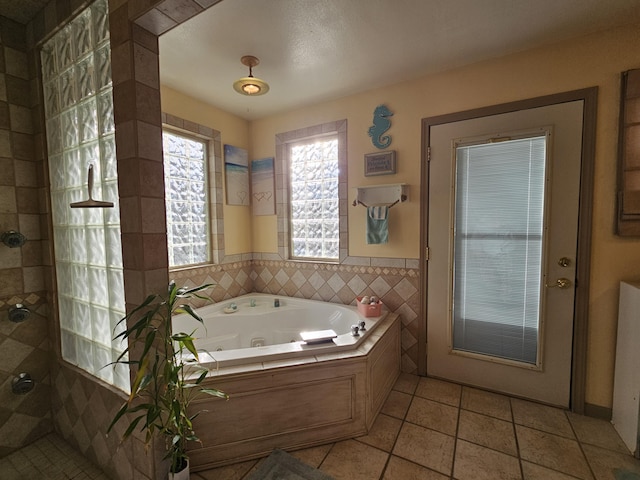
x: 434, y: 430
x: 428, y: 430
x: 48, y: 458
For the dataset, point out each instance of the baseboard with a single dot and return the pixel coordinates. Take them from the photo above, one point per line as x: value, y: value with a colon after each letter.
x: 597, y: 411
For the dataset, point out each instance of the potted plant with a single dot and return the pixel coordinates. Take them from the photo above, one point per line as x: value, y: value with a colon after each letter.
x: 167, y: 378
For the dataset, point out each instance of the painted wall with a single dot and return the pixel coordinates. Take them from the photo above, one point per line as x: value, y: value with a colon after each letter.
x: 234, y: 131
x: 595, y: 60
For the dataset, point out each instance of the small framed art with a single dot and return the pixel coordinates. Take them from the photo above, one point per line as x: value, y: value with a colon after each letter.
x: 380, y: 163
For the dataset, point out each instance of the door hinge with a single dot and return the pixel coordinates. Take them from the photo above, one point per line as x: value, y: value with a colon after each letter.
x: 428, y: 156
x: 427, y: 254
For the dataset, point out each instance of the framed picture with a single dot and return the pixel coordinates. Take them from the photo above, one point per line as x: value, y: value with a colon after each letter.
x: 236, y: 168
x: 263, y: 191
x: 380, y: 163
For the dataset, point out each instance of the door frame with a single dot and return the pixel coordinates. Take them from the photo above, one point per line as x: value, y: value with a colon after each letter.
x: 583, y: 258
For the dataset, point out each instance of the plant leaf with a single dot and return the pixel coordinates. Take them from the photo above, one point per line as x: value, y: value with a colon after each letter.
x: 215, y: 393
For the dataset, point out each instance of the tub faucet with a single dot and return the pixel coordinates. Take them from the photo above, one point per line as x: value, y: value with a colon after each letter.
x: 252, y: 302
x: 276, y: 302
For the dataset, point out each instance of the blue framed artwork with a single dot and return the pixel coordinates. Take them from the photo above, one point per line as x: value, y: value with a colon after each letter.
x: 263, y: 193
x: 236, y: 170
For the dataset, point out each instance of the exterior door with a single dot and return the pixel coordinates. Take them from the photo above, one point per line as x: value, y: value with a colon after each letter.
x: 502, y: 237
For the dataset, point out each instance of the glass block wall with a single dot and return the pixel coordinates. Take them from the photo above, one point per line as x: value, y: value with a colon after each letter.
x: 315, y: 216
x: 185, y: 166
x: 76, y: 73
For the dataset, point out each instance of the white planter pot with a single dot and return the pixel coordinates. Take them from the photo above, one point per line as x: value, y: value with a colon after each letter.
x: 181, y: 475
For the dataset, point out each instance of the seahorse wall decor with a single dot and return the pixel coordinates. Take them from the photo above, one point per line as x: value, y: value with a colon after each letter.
x: 381, y: 124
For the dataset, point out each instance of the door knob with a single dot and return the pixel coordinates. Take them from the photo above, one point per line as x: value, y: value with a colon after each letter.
x: 564, y: 262
x: 560, y: 283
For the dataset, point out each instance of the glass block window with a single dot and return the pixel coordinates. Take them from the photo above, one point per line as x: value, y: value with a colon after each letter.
x: 314, y: 199
x: 76, y: 76
x: 185, y: 167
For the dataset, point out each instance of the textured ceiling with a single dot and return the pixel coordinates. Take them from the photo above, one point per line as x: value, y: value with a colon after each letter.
x: 21, y: 11
x: 312, y: 51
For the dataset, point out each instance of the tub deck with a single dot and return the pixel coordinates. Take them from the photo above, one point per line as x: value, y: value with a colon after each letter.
x: 296, y: 402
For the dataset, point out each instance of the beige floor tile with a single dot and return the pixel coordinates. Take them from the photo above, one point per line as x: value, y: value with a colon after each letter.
x: 401, y: 469
x: 487, y: 431
x: 541, y: 417
x: 383, y: 433
x: 351, y: 460
x: 439, y: 390
x: 595, y: 431
x: 433, y: 415
x: 552, y: 451
x: 487, y: 403
x: 407, y: 383
x: 313, y: 456
x: 397, y: 404
x: 537, y: 472
x: 473, y: 462
x: 609, y: 465
x: 429, y: 448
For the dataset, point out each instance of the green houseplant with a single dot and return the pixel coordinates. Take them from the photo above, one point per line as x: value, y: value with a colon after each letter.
x: 167, y: 378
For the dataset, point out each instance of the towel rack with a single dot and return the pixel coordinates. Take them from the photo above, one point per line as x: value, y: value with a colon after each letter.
x: 378, y: 195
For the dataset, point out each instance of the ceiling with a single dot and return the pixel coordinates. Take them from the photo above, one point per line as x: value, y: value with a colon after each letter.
x: 312, y: 51
x: 21, y: 11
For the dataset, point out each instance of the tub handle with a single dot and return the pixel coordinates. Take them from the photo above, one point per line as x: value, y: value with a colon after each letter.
x: 362, y: 325
x: 355, y: 330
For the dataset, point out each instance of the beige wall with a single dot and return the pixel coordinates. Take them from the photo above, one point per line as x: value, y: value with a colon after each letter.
x: 595, y: 60
x: 234, y: 131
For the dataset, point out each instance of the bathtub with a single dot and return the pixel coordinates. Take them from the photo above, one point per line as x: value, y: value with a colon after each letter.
x: 285, y: 393
x: 258, y: 331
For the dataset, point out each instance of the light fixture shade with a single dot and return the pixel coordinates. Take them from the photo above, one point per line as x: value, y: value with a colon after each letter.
x: 251, y: 86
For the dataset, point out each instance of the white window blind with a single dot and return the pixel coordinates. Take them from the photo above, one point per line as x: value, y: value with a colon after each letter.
x: 498, y: 248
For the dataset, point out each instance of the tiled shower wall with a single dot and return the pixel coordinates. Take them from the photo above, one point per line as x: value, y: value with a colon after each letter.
x: 81, y: 406
x: 24, y: 347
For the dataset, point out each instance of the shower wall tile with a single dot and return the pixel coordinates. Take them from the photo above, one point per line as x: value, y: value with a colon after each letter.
x: 24, y: 347
x: 7, y: 175
x: 10, y: 257
x: 16, y: 91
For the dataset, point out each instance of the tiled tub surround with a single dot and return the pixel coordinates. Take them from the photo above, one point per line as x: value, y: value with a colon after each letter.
x: 261, y: 328
x: 298, y: 402
x: 395, y: 280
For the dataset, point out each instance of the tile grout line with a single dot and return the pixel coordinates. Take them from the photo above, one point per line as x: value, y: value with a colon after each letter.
x: 404, y: 418
x: 515, y: 436
x: 584, y: 455
x: 455, y: 438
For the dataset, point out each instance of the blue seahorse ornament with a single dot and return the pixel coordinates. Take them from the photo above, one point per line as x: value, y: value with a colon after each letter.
x: 381, y: 124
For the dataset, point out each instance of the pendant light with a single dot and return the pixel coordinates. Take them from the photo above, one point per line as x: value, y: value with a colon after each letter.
x: 250, y: 85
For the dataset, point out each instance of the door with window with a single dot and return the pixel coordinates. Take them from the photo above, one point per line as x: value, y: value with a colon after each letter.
x: 502, y: 237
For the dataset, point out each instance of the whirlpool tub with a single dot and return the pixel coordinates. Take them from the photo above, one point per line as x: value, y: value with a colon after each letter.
x: 285, y: 392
